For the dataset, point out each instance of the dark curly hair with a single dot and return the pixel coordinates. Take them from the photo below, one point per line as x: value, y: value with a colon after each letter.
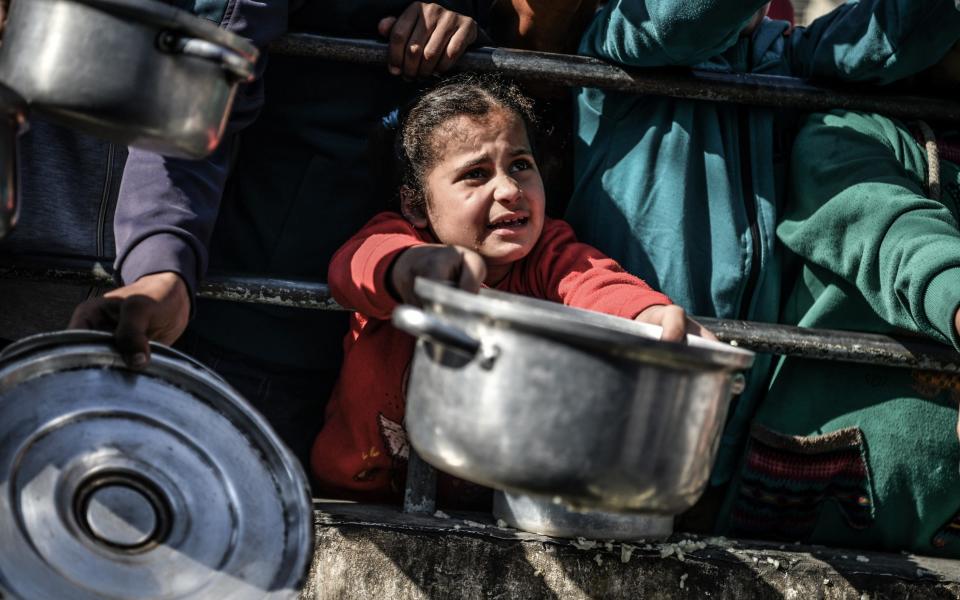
x: 407, y: 145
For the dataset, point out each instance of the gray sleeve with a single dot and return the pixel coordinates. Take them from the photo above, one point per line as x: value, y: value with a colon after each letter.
x: 167, y: 207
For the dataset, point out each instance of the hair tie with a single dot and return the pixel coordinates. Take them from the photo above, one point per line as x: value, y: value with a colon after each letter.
x: 391, y: 120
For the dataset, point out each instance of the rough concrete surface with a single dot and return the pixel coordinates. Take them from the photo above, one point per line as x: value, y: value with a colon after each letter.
x: 365, y: 551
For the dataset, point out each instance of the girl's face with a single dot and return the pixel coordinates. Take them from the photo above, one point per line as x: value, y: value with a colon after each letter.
x: 485, y: 192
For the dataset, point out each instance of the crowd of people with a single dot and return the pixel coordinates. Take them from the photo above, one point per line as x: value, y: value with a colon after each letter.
x: 368, y: 177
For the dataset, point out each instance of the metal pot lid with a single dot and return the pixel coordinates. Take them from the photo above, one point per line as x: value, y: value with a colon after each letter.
x: 599, y: 331
x: 155, y: 484
x: 166, y: 16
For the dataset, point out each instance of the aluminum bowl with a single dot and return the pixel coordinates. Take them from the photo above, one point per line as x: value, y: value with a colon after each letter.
x: 542, y: 515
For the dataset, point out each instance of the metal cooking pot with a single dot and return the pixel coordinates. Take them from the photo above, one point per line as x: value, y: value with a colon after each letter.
x: 12, y: 117
x: 542, y: 515
x: 534, y: 397
x: 155, y: 484
x: 138, y: 72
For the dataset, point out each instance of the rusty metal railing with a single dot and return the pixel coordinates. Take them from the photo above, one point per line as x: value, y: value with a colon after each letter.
x: 691, y: 84
x: 784, y: 340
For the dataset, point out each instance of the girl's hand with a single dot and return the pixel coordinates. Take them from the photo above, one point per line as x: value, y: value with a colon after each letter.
x: 426, y: 38
x: 675, y: 323
x: 460, y: 266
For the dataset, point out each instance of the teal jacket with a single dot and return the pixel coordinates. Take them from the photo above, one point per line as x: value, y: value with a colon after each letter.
x: 874, y: 253
x: 877, y: 253
x: 685, y: 194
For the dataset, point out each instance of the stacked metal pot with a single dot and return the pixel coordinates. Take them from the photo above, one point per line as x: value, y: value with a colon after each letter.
x: 137, y: 72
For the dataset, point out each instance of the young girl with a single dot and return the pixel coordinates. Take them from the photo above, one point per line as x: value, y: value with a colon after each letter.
x: 472, y: 213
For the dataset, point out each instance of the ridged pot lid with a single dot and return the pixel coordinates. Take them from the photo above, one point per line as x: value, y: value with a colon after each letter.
x: 584, y: 328
x: 155, y: 484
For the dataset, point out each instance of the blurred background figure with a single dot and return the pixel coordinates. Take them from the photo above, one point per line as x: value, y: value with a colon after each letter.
x: 803, y: 11
x: 782, y: 10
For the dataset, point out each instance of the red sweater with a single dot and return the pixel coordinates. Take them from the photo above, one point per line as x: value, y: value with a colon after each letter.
x: 361, y: 451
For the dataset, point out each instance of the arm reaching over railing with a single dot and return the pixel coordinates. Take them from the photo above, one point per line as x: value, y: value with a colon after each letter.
x: 426, y: 38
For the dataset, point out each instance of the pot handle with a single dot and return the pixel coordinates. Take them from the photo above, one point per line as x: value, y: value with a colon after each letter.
x: 238, y: 66
x: 420, y: 324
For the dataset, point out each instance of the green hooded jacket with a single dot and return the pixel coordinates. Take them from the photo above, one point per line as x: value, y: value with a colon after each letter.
x: 685, y: 194
x: 874, y: 253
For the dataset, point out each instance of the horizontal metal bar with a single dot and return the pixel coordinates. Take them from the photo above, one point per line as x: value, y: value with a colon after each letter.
x: 690, y: 84
x: 233, y: 288
x: 278, y: 292
x: 72, y: 272
x: 784, y: 340
x: 907, y: 351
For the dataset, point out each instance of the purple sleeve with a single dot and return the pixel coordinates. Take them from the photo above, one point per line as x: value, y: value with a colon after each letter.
x: 167, y: 207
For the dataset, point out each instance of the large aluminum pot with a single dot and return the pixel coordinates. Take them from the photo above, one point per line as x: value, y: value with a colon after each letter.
x: 138, y: 72
x: 155, y: 484
x: 531, y: 396
x: 12, y: 118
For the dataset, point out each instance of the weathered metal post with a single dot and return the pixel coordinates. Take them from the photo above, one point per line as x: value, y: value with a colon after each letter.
x: 420, y: 496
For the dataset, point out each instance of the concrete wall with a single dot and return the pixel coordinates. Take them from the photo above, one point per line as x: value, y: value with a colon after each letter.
x: 365, y: 551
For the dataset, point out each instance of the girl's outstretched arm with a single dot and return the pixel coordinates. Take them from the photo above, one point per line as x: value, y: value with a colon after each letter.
x: 576, y: 274
x: 460, y: 266
x: 359, y: 271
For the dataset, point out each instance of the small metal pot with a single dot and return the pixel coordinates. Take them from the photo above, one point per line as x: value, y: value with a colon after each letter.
x: 161, y: 483
x: 546, y: 517
x: 535, y: 397
x: 12, y: 118
x: 137, y: 72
